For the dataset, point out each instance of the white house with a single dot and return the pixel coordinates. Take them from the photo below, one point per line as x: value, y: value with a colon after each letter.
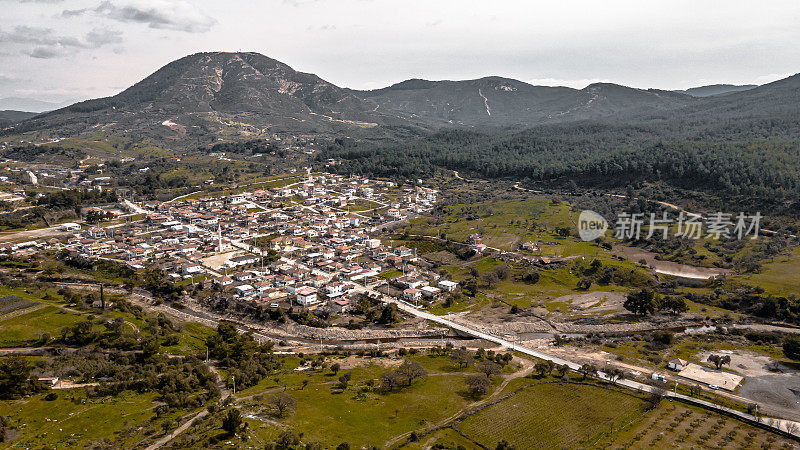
x: 334, y: 289
x: 677, y: 364
x: 448, y: 285
x: 412, y: 294
x: 244, y: 289
x: 223, y: 280
x: 192, y: 269
x: 69, y: 226
x: 430, y: 291
x: 306, y: 296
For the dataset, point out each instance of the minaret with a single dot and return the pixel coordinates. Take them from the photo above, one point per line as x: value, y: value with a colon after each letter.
x: 219, y: 238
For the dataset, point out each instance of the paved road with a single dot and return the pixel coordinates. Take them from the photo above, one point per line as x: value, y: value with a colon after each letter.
x: 782, y: 425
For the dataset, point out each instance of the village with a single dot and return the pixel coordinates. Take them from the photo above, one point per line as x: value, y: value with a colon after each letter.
x: 309, y: 244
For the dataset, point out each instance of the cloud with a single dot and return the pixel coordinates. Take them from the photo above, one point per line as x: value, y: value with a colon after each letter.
x: 8, y: 79
x: 297, y: 3
x: 74, y: 12
x: 176, y: 15
x: 43, y: 43
x: 54, y: 51
x: 103, y: 36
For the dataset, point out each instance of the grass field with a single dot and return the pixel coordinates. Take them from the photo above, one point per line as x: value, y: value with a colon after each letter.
x: 192, y: 339
x: 336, y: 418
x: 64, y: 423
x: 25, y: 329
x: 553, y: 415
x: 502, y: 224
x: 329, y: 416
x: 778, y: 277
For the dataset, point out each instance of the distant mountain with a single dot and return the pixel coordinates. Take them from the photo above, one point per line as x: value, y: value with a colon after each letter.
x: 716, y: 89
x: 9, y: 117
x: 201, y: 98
x: 28, y: 104
x: 496, y: 101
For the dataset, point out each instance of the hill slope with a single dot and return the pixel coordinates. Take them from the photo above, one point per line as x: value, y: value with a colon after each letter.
x: 205, y: 97
x: 8, y: 117
x: 716, y: 89
x: 497, y: 101
x: 217, y: 94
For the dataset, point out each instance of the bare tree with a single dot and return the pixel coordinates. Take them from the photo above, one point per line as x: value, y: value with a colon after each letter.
x: 282, y: 403
x: 478, y: 384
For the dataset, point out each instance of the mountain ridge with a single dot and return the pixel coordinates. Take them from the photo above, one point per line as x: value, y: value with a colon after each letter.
x: 249, y: 95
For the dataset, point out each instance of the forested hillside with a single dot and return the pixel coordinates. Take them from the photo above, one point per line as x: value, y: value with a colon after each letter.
x: 743, y: 164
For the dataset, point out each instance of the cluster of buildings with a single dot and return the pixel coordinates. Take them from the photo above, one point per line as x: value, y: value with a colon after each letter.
x: 310, y: 243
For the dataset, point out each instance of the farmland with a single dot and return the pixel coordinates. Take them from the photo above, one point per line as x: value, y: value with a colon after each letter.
x: 553, y: 415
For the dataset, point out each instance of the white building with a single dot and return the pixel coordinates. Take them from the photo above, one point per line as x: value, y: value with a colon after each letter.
x: 448, y: 285
x: 306, y: 296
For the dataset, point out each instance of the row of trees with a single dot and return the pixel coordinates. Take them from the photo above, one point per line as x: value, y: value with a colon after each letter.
x: 647, y: 301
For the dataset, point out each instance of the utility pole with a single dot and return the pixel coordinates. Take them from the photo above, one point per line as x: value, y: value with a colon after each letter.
x: 234, y: 384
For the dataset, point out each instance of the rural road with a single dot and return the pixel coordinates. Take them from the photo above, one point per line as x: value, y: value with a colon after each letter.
x: 786, y: 426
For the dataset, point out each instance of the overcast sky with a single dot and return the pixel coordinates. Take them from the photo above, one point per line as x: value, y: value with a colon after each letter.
x: 76, y: 49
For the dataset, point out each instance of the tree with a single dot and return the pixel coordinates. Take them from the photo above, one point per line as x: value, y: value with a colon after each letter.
x: 791, y: 347
x: 287, y: 440
x: 470, y: 286
x: 615, y: 374
x: 389, y: 314
x: 675, y: 305
x: 344, y: 380
x: 541, y: 368
x: 15, y: 378
x: 531, y: 276
x: 490, y: 279
x: 305, y: 383
x: 478, y: 384
x: 562, y: 369
x: 719, y: 360
x: 461, y: 357
x: 282, y: 403
x: 232, y: 421
x: 335, y: 368
x: 489, y: 368
x: 502, y: 271
x: 641, y: 303
x: 390, y: 380
x: 588, y: 370
x: 584, y: 283
x: 504, y: 445
x: 411, y: 370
